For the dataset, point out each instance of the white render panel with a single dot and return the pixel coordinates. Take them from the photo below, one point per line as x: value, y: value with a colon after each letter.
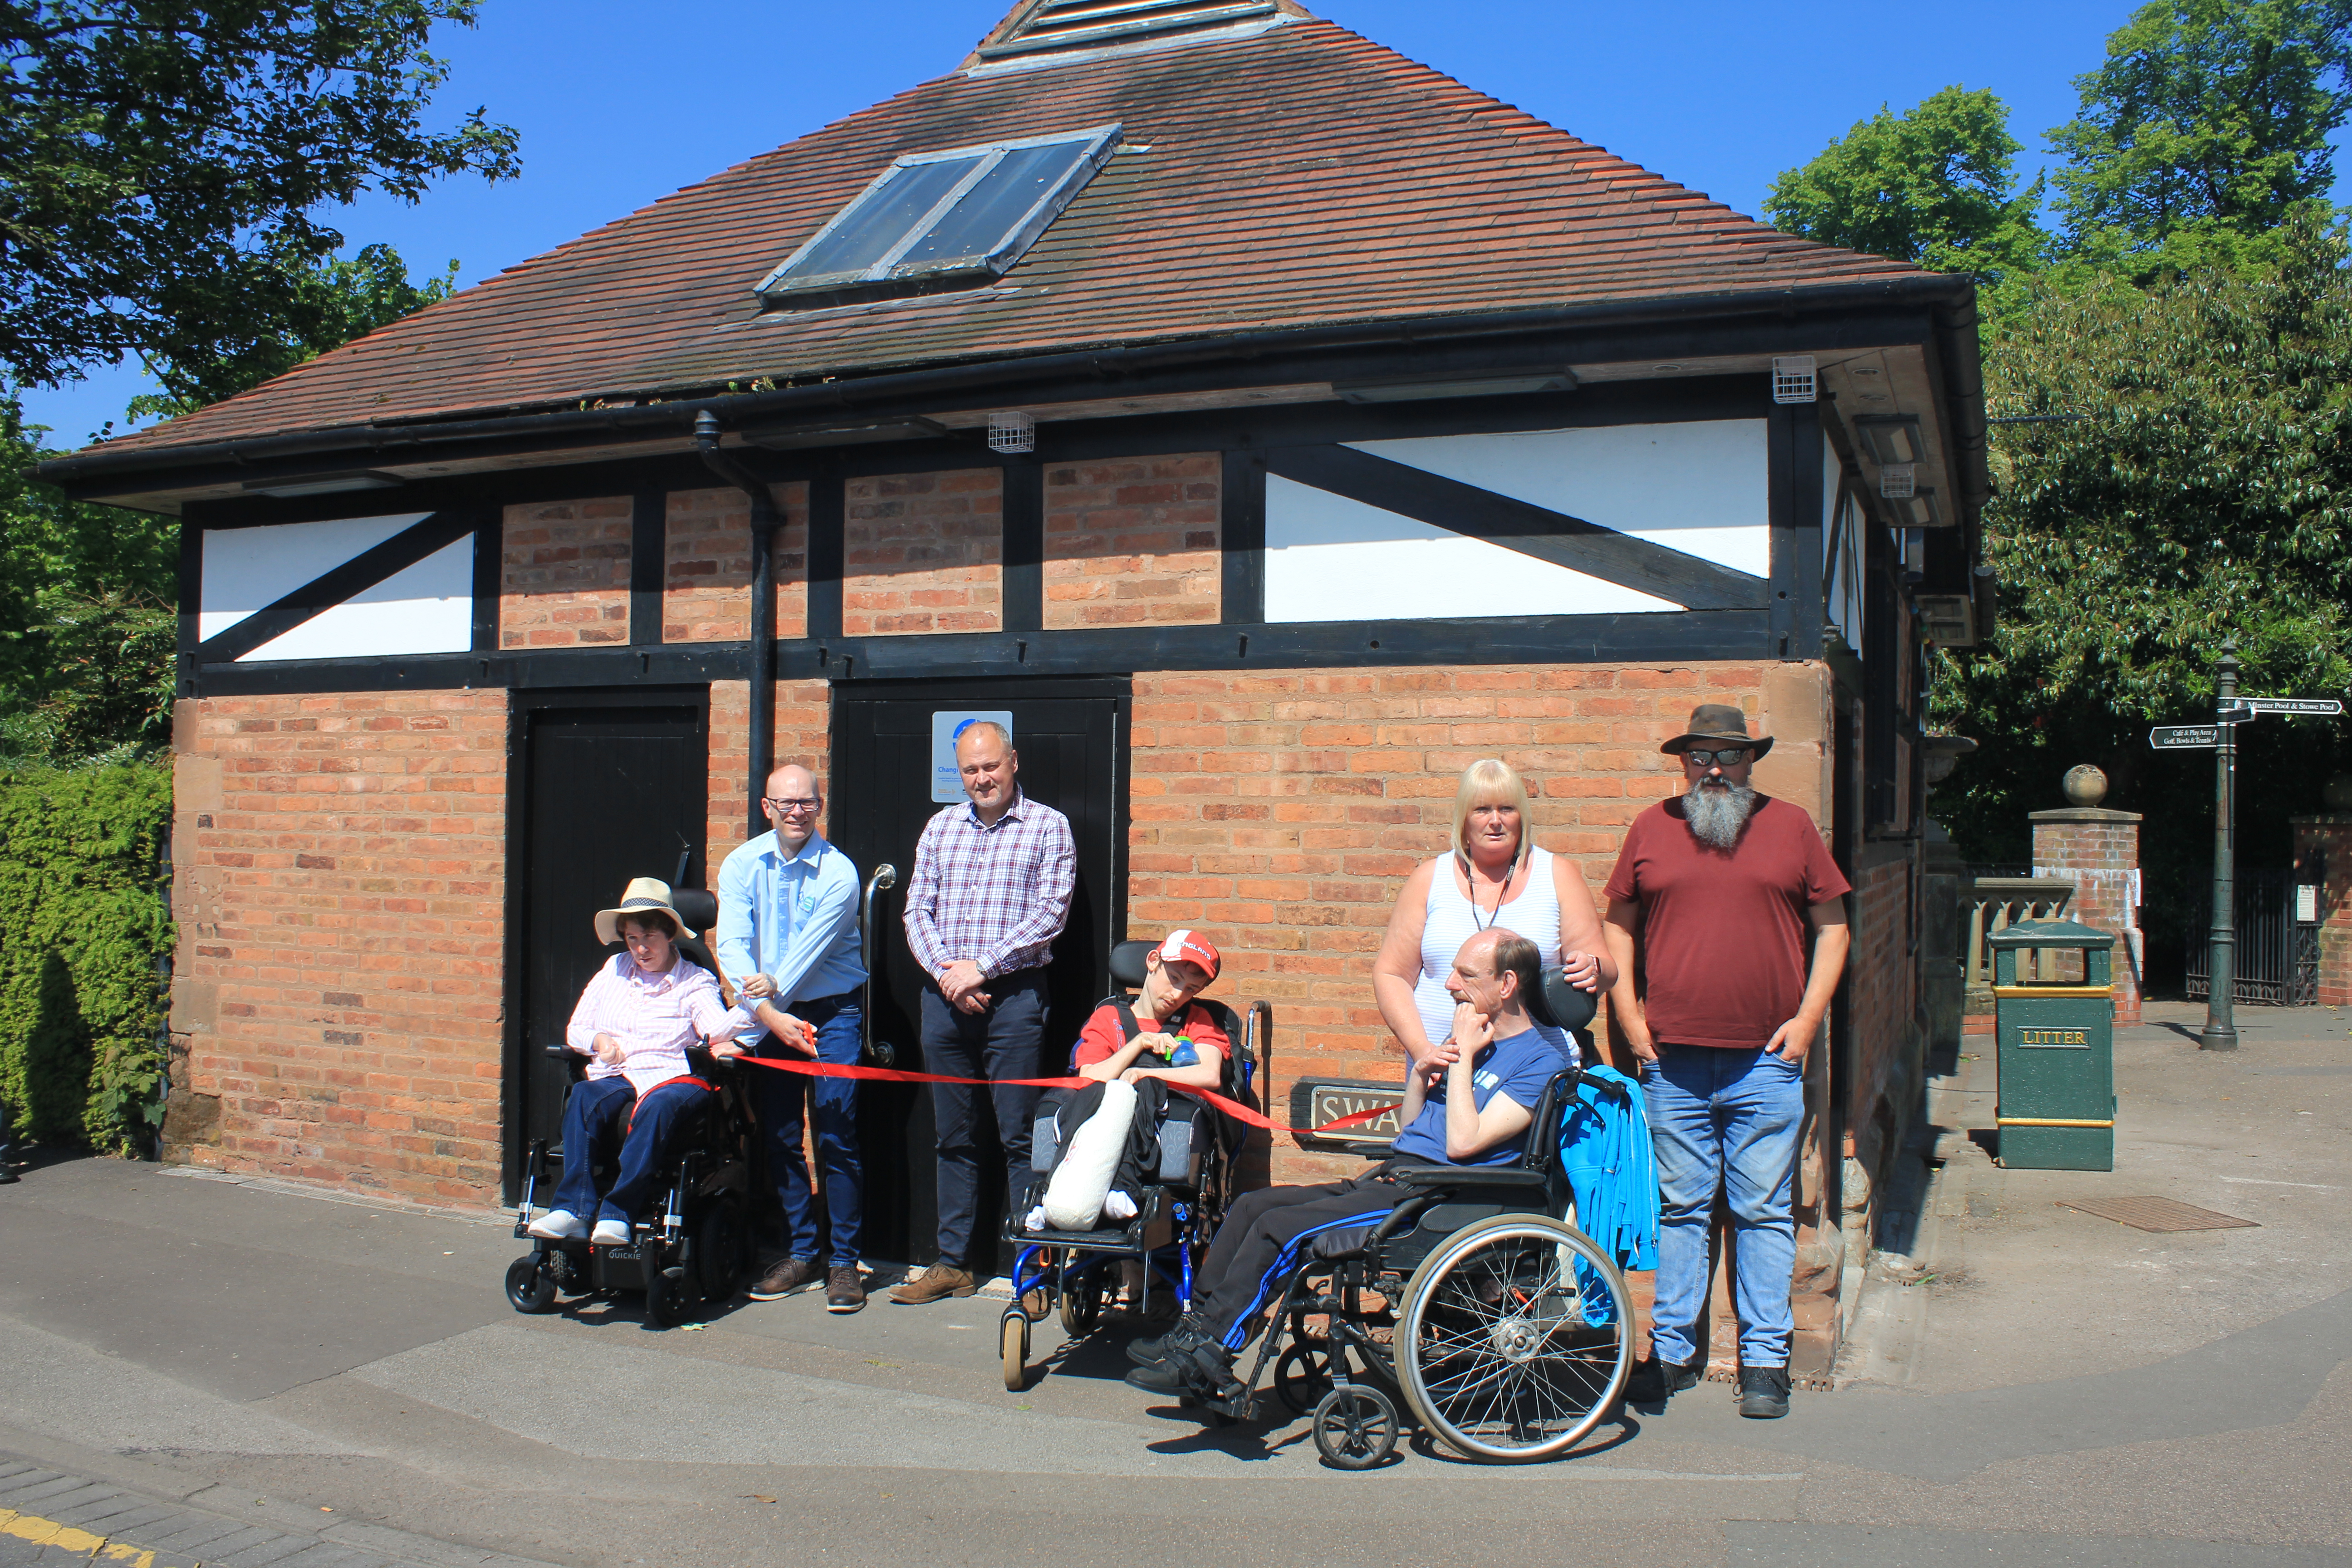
x: 1702, y: 487
x: 1329, y: 558
x: 251, y: 569
x: 425, y: 608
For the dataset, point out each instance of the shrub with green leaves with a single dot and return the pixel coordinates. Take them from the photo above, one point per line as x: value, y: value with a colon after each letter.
x: 85, y: 921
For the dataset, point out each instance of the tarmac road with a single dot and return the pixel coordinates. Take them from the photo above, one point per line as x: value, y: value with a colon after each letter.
x: 245, y: 1363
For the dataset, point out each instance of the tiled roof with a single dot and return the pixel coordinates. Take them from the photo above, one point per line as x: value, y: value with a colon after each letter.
x: 1296, y: 176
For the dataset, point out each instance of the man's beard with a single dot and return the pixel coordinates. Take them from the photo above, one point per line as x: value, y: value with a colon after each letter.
x: 1718, y: 812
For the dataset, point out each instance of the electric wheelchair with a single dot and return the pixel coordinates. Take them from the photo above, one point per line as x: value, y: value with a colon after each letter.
x: 696, y: 1249
x: 1077, y: 1271
x: 1477, y: 1304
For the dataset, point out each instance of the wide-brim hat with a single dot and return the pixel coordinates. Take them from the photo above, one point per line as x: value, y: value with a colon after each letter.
x: 1718, y: 721
x: 643, y: 896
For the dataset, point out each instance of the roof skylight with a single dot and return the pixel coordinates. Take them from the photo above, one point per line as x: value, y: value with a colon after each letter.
x: 934, y: 219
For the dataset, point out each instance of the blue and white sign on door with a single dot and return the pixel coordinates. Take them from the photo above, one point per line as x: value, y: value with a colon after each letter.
x: 947, y: 779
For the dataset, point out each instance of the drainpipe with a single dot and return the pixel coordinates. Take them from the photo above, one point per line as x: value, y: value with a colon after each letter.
x: 763, y: 606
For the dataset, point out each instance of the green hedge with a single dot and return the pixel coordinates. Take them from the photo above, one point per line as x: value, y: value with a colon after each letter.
x: 85, y: 924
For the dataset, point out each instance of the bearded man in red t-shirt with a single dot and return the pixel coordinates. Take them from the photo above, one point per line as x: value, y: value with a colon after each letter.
x: 1717, y: 898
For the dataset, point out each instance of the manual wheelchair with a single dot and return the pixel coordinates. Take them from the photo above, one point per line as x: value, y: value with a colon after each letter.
x: 696, y: 1249
x: 1077, y: 1271
x: 1508, y: 1332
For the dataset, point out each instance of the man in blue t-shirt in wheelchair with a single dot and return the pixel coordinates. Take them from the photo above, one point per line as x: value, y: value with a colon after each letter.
x: 1472, y: 1106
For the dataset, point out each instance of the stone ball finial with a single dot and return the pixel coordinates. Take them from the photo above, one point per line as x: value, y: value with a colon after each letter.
x: 2086, y: 786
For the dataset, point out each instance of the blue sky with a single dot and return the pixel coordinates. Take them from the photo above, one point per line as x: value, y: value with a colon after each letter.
x: 619, y: 104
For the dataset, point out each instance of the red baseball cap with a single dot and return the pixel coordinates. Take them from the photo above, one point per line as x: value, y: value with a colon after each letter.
x: 1192, y: 948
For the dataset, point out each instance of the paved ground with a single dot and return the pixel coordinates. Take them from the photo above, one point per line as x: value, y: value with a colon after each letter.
x: 343, y: 1384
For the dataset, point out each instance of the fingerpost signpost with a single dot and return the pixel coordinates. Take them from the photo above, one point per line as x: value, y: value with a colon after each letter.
x: 2230, y: 711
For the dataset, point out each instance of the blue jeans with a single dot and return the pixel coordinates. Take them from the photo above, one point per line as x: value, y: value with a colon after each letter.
x: 598, y: 1115
x: 1008, y: 1040
x: 777, y: 1099
x: 1725, y: 1120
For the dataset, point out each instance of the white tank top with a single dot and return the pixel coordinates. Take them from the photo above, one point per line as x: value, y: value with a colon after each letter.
x: 1450, y: 920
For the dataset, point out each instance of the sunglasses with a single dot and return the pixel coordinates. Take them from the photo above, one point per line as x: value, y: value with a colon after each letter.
x: 1729, y: 757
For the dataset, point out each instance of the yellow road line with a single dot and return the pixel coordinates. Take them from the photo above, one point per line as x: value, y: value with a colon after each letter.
x: 66, y: 1538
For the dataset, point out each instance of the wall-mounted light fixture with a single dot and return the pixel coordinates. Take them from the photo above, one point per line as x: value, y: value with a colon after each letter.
x: 1794, y: 379
x: 1897, y: 481
x: 325, y: 484
x: 1467, y: 383
x: 1890, y: 438
x: 1918, y: 509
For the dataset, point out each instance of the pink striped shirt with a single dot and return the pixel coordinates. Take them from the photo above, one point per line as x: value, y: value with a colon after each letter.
x: 655, y: 1018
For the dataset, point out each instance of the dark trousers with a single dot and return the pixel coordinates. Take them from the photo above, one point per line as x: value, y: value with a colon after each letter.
x: 779, y: 1099
x: 1005, y: 1041
x: 598, y: 1115
x: 1265, y: 1234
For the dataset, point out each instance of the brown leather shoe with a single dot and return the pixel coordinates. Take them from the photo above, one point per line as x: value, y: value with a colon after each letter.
x: 933, y: 1284
x: 790, y: 1275
x: 844, y: 1290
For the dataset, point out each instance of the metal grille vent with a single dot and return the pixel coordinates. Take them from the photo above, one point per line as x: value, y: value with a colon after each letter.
x: 1096, y: 23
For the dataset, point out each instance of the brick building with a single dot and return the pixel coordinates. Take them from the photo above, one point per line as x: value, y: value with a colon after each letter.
x: 1349, y: 425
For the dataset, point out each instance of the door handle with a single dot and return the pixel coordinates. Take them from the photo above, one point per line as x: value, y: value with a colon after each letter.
x: 885, y: 878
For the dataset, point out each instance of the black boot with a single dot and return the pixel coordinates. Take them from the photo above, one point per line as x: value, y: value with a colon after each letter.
x: 1152, y: 1351
x: 1191, y: 1362
x: 1654, y: 1381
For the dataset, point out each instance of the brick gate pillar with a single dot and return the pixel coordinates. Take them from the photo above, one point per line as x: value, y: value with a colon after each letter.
x: 2323, y: 854
x: 2098, y: 852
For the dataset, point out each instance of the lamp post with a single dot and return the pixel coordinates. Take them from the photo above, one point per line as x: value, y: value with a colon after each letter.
x: 2221, y: 1033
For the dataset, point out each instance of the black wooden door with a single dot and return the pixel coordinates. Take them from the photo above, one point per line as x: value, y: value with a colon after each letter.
x: 606, y: 787
x: 1071, y: 738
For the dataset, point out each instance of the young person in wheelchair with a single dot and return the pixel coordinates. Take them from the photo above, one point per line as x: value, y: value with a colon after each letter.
x: 1161, y: 1040
x: 1472, y: 1106
x: 635, y: 1020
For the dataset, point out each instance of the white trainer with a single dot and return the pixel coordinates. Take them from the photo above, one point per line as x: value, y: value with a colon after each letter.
x: 558, y: 1225
x: 610, y: 1233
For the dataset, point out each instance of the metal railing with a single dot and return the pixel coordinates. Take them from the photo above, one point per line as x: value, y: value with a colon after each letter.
x: 1996, y: 903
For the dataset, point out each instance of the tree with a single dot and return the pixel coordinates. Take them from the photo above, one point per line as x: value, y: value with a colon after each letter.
x: 323, y: 306
x: 2204, y: 491
x: 2206, y: 127
x: 1933, y: 185
x: 162, y: 167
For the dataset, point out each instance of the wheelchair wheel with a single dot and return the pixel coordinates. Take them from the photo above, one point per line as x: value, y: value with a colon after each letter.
x: 529, y: 1288
x: 1081, y: 1302
x: 1302, y: 1376
x: 1355, y: 1427
x: 1514, y: 1339
x: 666, y: 1299
x: 1012, y: 1344
x: 719, y: 1251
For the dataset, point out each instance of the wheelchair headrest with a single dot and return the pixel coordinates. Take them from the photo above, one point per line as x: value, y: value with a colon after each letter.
x: 1561, y: 1004
x: 1127, y: 964
x: 698, y: 905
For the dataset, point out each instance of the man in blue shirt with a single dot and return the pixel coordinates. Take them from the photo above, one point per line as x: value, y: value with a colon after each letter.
x: 1471, y: 1106
x: 788, y: 938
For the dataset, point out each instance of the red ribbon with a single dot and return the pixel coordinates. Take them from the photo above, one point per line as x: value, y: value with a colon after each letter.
x: 1232, y: 1108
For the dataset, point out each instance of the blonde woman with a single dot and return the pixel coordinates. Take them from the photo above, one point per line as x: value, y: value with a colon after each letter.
x: 1495, y: 877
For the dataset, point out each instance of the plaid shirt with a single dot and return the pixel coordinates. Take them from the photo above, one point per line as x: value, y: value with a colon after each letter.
x: 996, y: 896
x: 655, y: 1018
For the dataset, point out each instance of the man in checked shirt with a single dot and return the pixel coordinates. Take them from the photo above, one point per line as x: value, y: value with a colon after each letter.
x: 990, y: 892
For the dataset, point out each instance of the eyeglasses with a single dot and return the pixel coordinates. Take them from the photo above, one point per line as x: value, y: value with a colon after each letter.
x: 798, y: 803
x: 1729, y: 757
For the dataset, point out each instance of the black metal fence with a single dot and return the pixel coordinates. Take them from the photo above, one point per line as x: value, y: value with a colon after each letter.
x: 2278, y: 955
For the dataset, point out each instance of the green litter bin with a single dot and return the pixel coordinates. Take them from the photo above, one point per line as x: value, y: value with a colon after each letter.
x: 2057, y: 1098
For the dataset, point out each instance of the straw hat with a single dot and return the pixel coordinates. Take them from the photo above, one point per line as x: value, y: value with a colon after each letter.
x: 643, y: 895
